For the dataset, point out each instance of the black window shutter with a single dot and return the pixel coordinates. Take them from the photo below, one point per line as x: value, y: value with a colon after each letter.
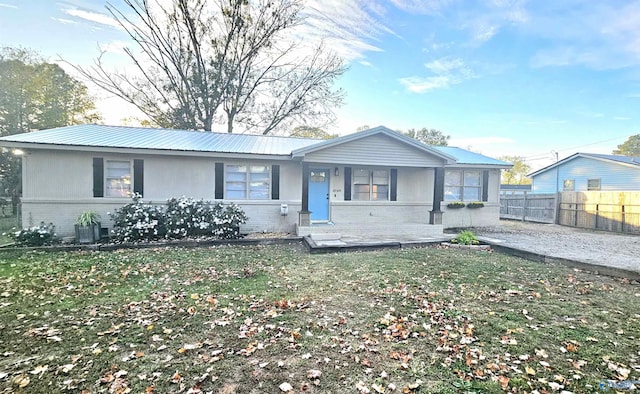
x: 275, y: 182
x: 485, y: 185
x: 347, y: 183
x: 394, y: 185
x: 138, y: 176
x: 219, y: 185
x: 98, y: 177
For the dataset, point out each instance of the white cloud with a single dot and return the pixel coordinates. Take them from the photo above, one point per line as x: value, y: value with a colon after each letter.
x: 621, y: 118
x: 422, y: 6
x: 422, y: 85
x: 448, y: 71
x: 65, y: 21
x: 5, y: 5
x: 444, y: 65
x: 95, y: 17
x: 607, y: 37
x: 349, y: 28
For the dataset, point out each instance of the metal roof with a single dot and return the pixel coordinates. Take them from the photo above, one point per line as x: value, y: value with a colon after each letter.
x: 628, y: 160
x: 160, y: 139
x: 124, y: 137
x: 620, y: 159
x: 464, y: 156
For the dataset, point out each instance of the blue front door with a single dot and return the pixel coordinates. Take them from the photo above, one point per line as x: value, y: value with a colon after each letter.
x: 319, y: 194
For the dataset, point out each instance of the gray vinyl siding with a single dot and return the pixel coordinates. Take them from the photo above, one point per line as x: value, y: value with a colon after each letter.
x: 375, y: 150
x: 612, y: 176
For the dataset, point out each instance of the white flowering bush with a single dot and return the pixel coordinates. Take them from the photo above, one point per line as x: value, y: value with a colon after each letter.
x: 227, y: 220
x: 182, y: 217
x: 44, y: 234
x: 138, y: 221
x: 186, y: 217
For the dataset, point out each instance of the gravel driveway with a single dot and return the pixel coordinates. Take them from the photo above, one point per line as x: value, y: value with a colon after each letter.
x: 592, y: 247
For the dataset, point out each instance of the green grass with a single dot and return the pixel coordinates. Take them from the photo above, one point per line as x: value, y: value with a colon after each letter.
x: 248, y: 319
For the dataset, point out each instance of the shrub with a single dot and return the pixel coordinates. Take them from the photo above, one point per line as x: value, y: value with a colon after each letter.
x: 44, y: 234
x: 183, y: 217
x: 138, y: 221
x: 475, y: 204
x: 186, y: 217
x: 455, y: 204
x: 466, y: 237
x: 228, y: 220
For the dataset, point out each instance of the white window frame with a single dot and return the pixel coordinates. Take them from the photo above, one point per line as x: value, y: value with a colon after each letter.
x: 370, y: 182
x: 462, y: 185
x: 247, y: 187
x: 121, y: 186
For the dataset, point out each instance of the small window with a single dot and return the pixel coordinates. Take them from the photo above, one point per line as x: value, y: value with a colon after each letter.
x: 318, y: 176
x: 245, y: 182
x: 118, y: 178
x: 568, y: 185
x: 593, y: 184
x: 370, y: 185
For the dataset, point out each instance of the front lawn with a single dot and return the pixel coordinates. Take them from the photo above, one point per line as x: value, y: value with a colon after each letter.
x: 270, y: 319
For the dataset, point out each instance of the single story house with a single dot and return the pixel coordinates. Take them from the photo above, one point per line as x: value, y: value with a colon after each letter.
x: 588, y: 172
x: 377, y: 181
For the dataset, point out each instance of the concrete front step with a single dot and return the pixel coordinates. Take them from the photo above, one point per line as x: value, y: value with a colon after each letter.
x: 370, y: 230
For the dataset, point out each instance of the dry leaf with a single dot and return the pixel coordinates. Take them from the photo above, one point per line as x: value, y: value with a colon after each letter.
x: 529, y: 370
x: 21, y: 381
x: 504, y: 381
x: 285, y: 387
x: 313, y: 374
x: 39, y: 369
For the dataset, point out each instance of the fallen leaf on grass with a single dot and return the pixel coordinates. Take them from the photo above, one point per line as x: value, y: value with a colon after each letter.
x: 313, y: 374
x: 362, y: 388
x: 40, y: 369
x: 285, y: 387
x: 504, y: 381
x: 21, y: 381
x: 530, y: 371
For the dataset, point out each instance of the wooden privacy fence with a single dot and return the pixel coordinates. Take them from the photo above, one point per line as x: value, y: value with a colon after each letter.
x: 609, y: 211
x: 529, y: 207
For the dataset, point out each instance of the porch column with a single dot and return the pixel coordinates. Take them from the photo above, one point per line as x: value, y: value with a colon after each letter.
x: 435, y: 215
x: 304, y: 218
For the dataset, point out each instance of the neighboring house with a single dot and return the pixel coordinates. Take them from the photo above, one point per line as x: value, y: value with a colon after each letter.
x: 588, y: 172
x: 375, y: 181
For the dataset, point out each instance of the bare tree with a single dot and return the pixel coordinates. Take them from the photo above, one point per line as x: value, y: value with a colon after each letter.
x: 200, y: 62
x: 429, y: 136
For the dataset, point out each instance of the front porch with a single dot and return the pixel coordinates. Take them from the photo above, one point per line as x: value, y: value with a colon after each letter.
x: 329, y: 233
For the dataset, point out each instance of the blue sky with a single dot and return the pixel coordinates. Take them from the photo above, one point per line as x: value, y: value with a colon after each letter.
x: 501, y: 77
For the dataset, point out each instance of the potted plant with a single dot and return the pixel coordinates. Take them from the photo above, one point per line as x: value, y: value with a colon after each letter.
x: 88, y: 227
x: 455, y: 205
x: 475, y: 204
